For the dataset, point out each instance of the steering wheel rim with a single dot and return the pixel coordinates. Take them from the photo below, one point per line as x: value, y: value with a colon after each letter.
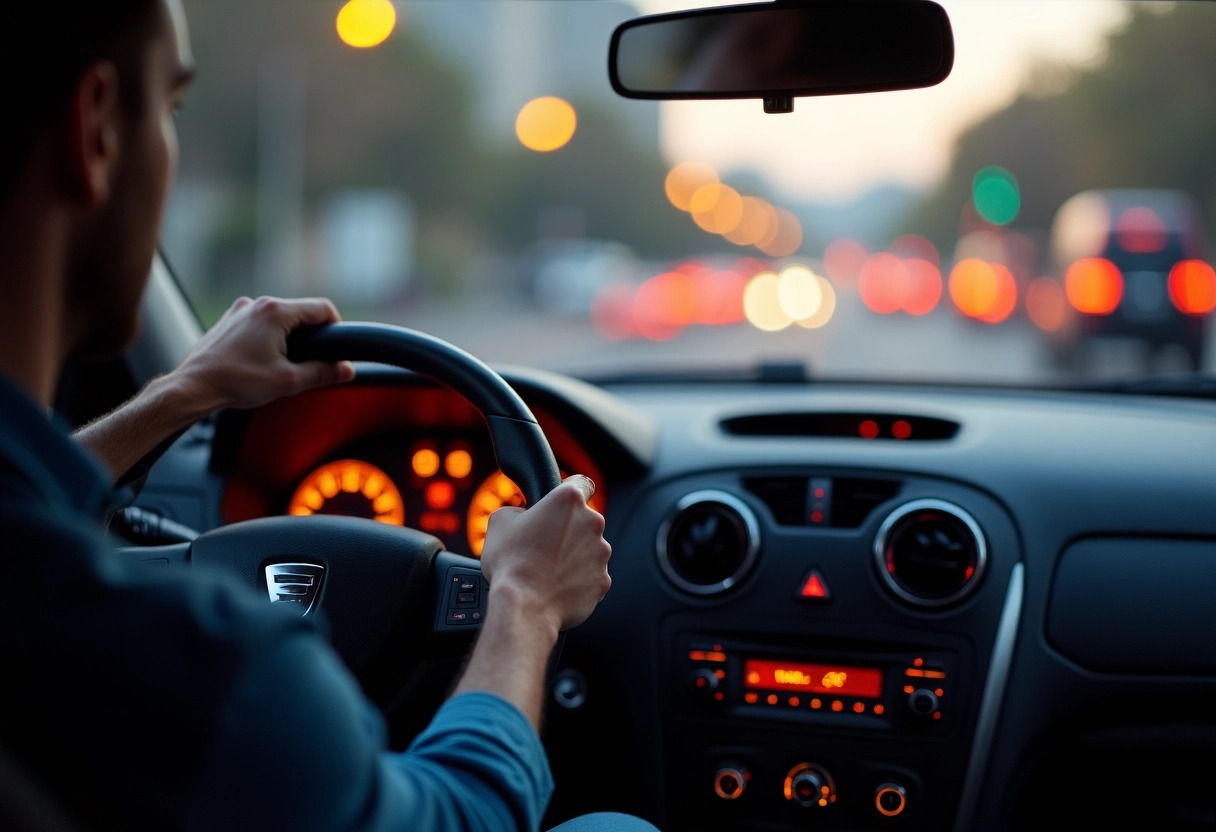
x: 375, y: 580
x: 520, y: 446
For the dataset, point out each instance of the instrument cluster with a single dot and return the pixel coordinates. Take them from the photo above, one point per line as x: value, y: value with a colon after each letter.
x: 326, y: 452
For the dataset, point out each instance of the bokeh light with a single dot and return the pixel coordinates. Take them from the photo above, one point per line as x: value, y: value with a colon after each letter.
x: 762, y: 304
x: 1140, y: 231
x: 1046, y: 305
x: 827, y: 306
x: 1192, y: 286
x: 1081, y: 228
x: 925, y: 287
x: 798, y: 292
x: 366, y: 23
x: 996, y: 196
x: 685, y: 179
x: 885, y: 283
x: 973, y: 287
x: 1094, y: 286
x: 719, y: 298
x: 915, y: 247
x: 843, y: 259
x: 758, y: 223
x: 788, y: 238
x: 546, y: 124
x: 612, y: 312
x: 716, y: 208
x: 1006, y: 300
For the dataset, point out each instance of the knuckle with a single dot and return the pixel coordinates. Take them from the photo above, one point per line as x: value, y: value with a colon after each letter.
x: 267, y: 306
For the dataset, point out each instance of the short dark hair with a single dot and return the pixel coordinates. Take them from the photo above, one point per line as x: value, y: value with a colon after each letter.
x: 44, y: 49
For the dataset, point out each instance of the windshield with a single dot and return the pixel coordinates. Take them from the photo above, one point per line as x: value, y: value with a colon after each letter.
x: 464, y: 168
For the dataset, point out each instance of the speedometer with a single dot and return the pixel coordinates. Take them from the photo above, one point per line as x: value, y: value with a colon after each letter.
x: 498, y: 491
x: 352, y: 488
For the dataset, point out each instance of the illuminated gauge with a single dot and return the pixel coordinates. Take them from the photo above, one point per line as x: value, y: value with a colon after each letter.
x: 350, y: 488
x: 498, y: 491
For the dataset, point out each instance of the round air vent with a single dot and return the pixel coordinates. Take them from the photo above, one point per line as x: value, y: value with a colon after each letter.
x: 930, y: 553
x: 709, y: 542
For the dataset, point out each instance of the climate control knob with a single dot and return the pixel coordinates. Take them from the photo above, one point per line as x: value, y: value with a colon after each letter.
x: 809, y: 785
x: 890, y: 800
x: 730, y: 782
x: 922, y: 702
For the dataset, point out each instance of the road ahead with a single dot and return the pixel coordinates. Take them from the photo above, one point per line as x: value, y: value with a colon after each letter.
x: 856, y: 343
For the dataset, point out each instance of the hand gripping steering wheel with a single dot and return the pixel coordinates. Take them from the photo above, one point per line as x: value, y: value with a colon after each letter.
x: 387, y: 593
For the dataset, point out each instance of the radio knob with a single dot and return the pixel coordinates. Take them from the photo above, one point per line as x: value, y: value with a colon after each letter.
x: 703, y: 683
x: 730, y: 782
x: 890, y: 800
x: 809, y: 785
x: 922, y: 702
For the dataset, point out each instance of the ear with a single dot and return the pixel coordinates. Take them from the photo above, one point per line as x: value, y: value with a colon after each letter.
x: 95, y: 122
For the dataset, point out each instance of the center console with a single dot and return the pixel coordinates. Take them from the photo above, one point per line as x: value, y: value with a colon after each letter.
x: 766, y: 731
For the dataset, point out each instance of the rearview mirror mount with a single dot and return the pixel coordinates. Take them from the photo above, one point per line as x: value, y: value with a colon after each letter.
x: 779, y: 51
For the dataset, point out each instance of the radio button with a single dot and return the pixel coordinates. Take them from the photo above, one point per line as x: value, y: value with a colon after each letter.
x: 703, y: 683
x: 922, y: 702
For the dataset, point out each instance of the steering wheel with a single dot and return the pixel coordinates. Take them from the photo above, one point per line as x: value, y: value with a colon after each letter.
x: 390, y: 595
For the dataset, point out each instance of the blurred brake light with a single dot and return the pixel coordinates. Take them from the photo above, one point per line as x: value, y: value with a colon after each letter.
x: 1094, y: 286
x: 1193, y: 287
x: 1140, y: 231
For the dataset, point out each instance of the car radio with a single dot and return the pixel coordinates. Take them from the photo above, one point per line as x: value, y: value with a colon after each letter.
x: 869, y: 689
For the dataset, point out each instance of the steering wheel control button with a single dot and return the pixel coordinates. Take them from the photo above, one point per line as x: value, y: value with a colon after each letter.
x: 569, y: 689
x: 814, y: 588
x: 730, y: 782
x: 297, y: 584
x: 810, y: 786
x: 465, y: 601
x: 923, y: 702
x: 703, y: 683
x: 708, y: 543
x: 930, y: 553
x: 890, y: 800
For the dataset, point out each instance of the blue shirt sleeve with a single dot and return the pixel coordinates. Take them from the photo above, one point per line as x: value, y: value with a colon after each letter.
x: 299, y: 748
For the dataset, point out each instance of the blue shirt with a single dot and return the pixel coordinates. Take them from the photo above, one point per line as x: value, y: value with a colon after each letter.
x: 156, y: 699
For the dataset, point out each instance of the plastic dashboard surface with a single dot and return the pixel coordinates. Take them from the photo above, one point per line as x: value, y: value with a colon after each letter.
x: 814, y: 622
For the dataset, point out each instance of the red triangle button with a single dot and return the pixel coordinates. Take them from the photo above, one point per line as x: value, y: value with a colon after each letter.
x: 814, y: 588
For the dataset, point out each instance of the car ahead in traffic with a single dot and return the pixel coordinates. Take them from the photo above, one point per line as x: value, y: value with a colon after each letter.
x: 931, y: 586
x: 1133, y: 263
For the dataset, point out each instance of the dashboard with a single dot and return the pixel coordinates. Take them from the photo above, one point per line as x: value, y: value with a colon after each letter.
x: 839, y: 606
x: 418, y: 457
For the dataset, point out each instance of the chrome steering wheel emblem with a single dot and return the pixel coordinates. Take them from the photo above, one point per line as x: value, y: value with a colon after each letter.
x: 295, y: 583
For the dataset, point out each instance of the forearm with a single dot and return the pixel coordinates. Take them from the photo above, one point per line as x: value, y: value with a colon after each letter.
x: 512, y: 654
x: 121, y: 438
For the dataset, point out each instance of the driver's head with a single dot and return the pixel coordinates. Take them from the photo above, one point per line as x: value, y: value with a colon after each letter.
x: 88, y: 149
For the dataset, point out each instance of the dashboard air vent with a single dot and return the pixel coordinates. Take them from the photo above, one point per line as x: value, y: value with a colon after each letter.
x: 930, y: 553
x: 888, y: 426
x: 709, y: 542
x: 841, y: 502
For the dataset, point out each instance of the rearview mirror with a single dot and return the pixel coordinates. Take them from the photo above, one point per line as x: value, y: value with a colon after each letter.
x: 784, y: 50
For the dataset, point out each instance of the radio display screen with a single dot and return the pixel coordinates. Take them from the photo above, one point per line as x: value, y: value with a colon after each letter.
x: 841, y: 680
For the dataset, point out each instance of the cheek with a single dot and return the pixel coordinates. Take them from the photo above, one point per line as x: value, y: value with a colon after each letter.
x: 170, y: 155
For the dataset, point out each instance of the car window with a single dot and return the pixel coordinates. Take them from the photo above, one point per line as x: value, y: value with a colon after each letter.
x: 464, y: 167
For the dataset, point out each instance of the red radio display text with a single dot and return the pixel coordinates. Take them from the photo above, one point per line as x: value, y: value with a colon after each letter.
x: 828, y: 679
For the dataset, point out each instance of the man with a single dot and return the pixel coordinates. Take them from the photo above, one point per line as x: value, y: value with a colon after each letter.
x: 174, y: 701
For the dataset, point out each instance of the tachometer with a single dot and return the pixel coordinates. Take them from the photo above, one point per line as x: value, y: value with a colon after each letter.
x: 352, y: 488
x: 498, y: 491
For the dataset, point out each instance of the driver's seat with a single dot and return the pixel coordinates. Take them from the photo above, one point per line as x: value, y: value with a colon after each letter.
x: 25, y: 805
